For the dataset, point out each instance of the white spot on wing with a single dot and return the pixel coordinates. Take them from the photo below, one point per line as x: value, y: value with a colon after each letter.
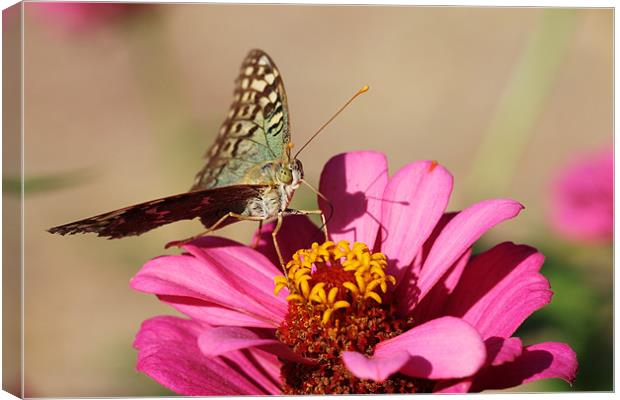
x: 270, y: 78
x: 258, y: 85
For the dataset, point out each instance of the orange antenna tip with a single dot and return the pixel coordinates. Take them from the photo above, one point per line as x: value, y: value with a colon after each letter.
x: 364, y: 89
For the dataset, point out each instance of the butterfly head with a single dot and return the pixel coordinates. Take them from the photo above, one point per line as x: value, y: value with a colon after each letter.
x: 290, y: 173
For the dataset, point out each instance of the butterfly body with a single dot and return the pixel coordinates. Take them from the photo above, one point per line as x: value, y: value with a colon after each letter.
x: 277, y: 182
x: 249, y: 172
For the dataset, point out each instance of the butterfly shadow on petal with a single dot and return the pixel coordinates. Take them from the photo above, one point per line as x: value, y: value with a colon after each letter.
x: 354, y: 205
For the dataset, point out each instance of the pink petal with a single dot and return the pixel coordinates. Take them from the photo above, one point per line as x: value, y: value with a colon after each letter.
x: 502, y: 350
x: 499, y: 351
x: 499, y: 289
x: 375, y: 368
x: 459, y: 234
x: 354, y: 183
x: 414, y: 201
x: 248, y: 257
x: 251, y: 269
x: 297, y: 232
x: 421, y: 257
x: 262, y: 367
x: 433, y: 305
x: 443, y: 348
x: 220, y: 341
x: 407, y: 290
x: 168, y: 352
x: 212, y: 314
x: 227, y: 275
x: 453, y: 386
x: 544, y: 360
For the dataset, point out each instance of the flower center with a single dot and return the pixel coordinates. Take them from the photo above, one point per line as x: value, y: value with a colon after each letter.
x: 337, y: 303
x: 333, y: 276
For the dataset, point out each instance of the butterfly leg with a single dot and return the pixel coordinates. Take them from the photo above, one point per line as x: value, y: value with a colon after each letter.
x: 290, y: 211
x: 274, y: 233
x: 213, y: 227
x: 257, y: 237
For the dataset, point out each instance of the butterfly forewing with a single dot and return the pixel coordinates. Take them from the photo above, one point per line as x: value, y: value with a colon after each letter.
x: 256, y: 129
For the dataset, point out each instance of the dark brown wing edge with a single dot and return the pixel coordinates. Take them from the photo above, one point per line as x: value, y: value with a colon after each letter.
x: 143, y: 217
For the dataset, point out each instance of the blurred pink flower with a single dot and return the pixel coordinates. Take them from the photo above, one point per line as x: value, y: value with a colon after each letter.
x: 11, y: 19
x: 445, y: 326
x: 82, y: 17
x: 582, y: 197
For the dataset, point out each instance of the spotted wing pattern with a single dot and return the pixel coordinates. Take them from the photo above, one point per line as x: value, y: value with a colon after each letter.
x: 256, y: 129
x: 209, y: 204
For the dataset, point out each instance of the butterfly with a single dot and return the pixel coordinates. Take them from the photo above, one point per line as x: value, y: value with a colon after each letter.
x: 249, y: 172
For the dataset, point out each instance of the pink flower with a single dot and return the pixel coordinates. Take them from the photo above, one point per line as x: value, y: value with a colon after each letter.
x: 82, y: 17
x: 582, y: 197
x: 425, y: 317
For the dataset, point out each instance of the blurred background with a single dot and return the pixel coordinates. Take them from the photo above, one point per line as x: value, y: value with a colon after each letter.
x: 121, y: 102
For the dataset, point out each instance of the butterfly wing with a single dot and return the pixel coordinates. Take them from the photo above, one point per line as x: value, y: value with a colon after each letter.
x: 256, y: 129
x: 209, y: 204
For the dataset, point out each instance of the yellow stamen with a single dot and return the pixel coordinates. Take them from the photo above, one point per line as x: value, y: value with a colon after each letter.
x: 331, y: 296
x: 372, y: 285
x: 374, y: 296
x: 278, y: 287
x: 341, y: 304
x: 315, y: 293
x: 326, y: 314
x: 304, y: 287
x: 294, y: 297
x: 316, y: 275
x: 361, y: 283
x: 351, y: 286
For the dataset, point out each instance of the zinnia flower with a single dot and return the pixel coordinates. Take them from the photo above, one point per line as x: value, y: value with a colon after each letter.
x: 582, y: 197
x: 393, y: 303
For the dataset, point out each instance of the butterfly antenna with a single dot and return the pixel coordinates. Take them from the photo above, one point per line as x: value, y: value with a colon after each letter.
x: 359, y: 92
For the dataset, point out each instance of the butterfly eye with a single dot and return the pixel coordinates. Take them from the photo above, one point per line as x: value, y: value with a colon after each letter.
x: 286, y: 176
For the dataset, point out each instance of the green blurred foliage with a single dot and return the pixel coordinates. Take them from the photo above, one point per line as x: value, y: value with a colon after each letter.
x: 512, y: 125
x: 45, y: 183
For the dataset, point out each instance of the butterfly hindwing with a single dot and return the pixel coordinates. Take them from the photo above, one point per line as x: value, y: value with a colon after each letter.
x: 256, y: 129
x: 210, y: 205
